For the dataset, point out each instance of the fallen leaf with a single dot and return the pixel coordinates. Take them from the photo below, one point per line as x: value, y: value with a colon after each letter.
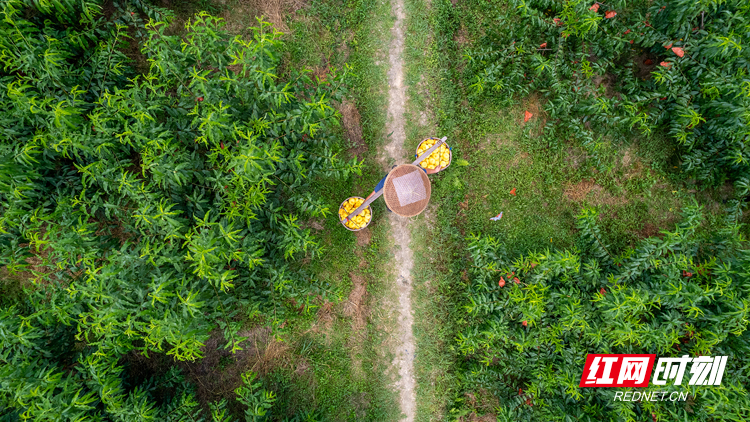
x: 525, y: 323
x: 648, y: 62
x: 677, y: 50
x: 513, y: 191
x: 610, y: 14
x: 595, y: 7
x: 526, y: 116
x: 543, y: 45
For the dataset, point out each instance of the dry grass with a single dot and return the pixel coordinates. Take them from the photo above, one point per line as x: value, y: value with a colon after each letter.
x: 261, y: 354
x: 218, y: 373
x: 356, y: 309
x: 533, y: 104
x: 632, y: 165
x: 351, y: 121
x: 354, y: 306
x: 587, y: 190
x: 240, y: 14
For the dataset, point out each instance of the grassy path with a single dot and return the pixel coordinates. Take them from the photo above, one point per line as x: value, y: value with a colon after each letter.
x: 401, y: 282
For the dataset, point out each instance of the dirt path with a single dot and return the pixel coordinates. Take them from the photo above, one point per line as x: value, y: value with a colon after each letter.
x: 402, y: 284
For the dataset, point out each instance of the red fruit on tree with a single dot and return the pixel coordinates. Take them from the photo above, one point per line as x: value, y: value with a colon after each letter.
x: 200, y: 98
x: 627, y: 32
x: 610, y: 14
x: 595, y: 7
x: 557, y: 21
x: 669, y: 46
x: 525, y: 323
x: 677, y: 50
x: 516, y: 280
x: 543, y: 45
x: 520, y: 391
x: 602, y: 291
x: 501, y: 283
x: 665, y: 64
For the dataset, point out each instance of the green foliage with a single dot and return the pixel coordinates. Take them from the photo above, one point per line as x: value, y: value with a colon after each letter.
x: 605, y: 77
x: 676, y: 294
x: 154, y: 208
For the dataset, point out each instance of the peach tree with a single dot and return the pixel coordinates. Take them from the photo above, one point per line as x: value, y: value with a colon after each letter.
x: 614, y: 70
x: 142, y: 211
x: 530, y: 320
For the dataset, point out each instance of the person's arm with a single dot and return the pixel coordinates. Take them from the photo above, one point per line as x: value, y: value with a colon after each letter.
x: 378, y: 187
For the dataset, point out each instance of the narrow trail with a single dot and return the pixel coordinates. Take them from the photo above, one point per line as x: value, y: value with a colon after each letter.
x: 405, y: 350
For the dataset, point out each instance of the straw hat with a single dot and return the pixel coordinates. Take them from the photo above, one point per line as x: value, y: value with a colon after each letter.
x: 407, y: 190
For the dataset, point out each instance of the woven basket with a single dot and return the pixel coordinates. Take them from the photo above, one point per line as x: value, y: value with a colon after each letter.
x: 407, y: 190
x: 450, y: 153
x: 368, y: 208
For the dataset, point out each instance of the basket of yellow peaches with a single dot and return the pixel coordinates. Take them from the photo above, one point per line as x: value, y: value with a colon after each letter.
x: 439, y: 160
x: 357, y: 222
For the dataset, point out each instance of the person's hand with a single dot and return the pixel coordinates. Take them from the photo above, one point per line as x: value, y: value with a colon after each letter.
x: 433, y: 171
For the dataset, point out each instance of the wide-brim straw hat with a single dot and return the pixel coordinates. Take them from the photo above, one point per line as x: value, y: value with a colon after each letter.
x: 407, y: 190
